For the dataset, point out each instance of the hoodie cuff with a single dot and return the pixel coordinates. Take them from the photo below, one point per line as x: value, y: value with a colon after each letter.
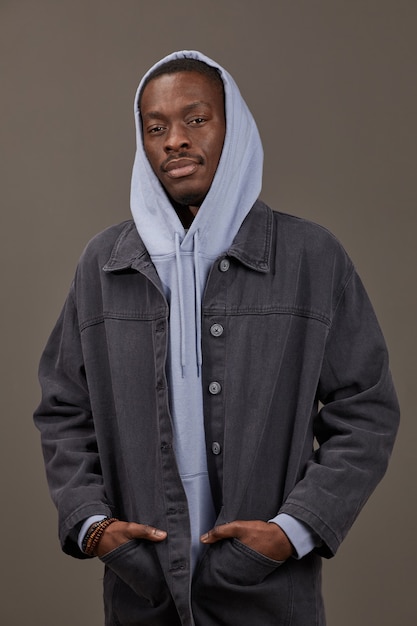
x: 85, y: 526
x: 303, y: 539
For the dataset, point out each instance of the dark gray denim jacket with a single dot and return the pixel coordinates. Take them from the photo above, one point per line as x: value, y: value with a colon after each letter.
x: 300, y: 356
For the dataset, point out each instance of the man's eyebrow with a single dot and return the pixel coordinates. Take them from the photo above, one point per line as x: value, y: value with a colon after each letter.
x: 196, y: 104
x: 152, y: 115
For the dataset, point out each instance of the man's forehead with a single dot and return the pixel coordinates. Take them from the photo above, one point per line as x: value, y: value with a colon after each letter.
x: 190, y: 79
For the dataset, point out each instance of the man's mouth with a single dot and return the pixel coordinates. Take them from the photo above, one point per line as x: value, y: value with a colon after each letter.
x: 181, y: 167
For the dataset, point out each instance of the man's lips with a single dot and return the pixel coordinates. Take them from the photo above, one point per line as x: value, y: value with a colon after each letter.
x: 180, y: 167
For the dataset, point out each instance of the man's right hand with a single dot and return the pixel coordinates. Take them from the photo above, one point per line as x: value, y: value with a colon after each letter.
x: 121, y: 532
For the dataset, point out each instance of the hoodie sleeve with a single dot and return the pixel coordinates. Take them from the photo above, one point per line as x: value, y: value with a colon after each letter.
x: 66, y: 424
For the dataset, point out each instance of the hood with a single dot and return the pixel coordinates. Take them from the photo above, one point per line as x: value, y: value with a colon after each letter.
x: 236, y: 185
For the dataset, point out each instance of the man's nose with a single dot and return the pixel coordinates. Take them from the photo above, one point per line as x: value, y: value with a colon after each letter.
x: 177, y: 138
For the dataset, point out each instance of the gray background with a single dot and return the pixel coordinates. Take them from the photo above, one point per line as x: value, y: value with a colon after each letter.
x: 332, y: 85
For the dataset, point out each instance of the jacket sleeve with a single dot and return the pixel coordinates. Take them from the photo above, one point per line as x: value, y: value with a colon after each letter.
x: 356, y: 426
x: 65, y: 421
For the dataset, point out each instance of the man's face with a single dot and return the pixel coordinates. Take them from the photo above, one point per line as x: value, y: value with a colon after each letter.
x: 183, y: 125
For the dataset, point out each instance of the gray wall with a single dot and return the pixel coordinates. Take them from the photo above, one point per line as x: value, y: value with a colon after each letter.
x: 332, y: 85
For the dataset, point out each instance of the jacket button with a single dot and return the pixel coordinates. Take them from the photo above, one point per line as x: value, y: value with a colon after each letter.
x: 215, y: 388
x: 224, y: 265
x: 216, y: 447
x: 216, y: 330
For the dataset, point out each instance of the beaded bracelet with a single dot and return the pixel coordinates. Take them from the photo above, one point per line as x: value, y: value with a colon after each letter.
x: 88, y: 533
x: 95, y: 533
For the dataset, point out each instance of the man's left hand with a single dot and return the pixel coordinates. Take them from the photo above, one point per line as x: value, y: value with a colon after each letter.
x: 264, y: 537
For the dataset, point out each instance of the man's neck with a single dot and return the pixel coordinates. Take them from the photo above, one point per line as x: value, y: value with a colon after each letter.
x: 185, y: 213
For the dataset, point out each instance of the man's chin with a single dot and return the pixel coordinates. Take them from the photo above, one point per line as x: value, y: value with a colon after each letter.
x: 189, y: 199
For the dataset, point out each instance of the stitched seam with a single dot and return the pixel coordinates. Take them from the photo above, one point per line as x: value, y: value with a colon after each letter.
x: 126, y: 315
x: 270, y: 311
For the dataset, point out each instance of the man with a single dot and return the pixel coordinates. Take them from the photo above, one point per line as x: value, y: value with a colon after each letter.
x: 203, y: 349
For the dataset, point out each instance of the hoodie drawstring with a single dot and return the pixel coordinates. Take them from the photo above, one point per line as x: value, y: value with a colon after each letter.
x: 198, y: 319
x: 181, y: 301
x: 197, y: 288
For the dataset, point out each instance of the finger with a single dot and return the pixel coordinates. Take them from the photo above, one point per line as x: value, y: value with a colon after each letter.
x: 223, y: 531
x: 143, y: 531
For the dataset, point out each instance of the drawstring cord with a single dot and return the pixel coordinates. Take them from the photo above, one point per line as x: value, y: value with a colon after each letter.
x: 197, y: 301
x: 197, y: 286
x: 181, y: 302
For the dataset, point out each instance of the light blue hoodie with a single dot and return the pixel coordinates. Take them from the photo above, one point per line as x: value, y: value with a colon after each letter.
x: 182, y: 260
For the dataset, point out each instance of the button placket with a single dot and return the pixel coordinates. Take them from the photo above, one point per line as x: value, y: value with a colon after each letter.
x: 214, y: 347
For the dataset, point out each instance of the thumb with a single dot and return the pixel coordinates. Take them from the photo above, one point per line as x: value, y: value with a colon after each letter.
x: 143, y: 531
x: 224, y: 531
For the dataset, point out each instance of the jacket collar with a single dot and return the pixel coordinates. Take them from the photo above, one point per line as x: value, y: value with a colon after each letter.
x: 128, y: 252
x: 251, y: 246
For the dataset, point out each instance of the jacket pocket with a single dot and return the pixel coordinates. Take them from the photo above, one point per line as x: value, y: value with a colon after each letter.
x: 241, y: 565
x: 137, y: 565
x: 237, y: 585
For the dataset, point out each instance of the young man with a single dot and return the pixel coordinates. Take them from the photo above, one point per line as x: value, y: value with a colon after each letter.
x: 203, y: 348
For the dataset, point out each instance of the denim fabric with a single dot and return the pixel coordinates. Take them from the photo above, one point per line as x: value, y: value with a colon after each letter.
x: 292, y: 352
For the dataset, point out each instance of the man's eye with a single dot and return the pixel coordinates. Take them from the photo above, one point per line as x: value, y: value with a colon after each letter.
x: 155, y: 129
x: 198, y: 120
